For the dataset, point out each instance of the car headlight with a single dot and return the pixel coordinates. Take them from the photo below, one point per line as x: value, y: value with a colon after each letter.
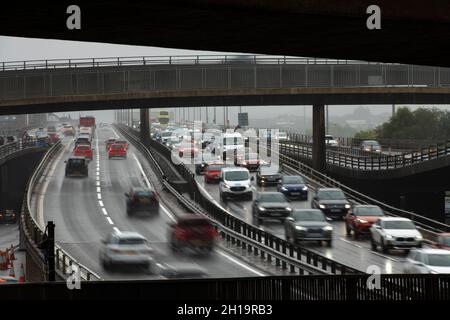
x: 347, y: 206
x: 226, y: 186
x: 284, y: 189
x: 419, y: 237
x: 300, y: 228
x: 322, y: 206
x: 361, y: 220
x: 305, y: 188
x: 389, y: 237
x: 328, y: 228
x: 261, y: 209
x: 288, y: 209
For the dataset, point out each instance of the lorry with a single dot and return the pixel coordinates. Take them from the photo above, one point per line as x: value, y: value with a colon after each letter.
x: 87, y: 121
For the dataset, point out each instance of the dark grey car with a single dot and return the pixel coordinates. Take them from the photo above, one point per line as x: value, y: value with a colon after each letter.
x: 271, y: 206
x: 308, y: 225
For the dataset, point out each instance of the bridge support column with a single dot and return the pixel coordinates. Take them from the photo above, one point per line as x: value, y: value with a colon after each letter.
x: 145, y: 126
x: 318, y: 148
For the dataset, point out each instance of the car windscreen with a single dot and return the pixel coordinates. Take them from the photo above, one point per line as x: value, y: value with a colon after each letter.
x: 403, y: 225
x: 236, y: 175
x: 268, y: 171
x: 76, y: 162
x: 293, y: 180
x: 83, y: 148
x: 117, y: 146
x: 308, y: 215
x: 371, y: 143
x: 331, y: 195
x: 131, y: 241
x: 369, y: 211
x: 439, y: 260
x: 271, y: 197
x: 145, y: 194
x: 216, y: 167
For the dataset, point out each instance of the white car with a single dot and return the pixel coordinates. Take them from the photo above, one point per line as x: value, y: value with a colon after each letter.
x: 236, y: 183
x: 395, y: 233
x: 330, y: 141
x: 126, y: 248
x: 427, y: 261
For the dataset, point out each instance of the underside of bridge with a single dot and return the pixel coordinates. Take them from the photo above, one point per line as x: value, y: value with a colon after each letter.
x: 412, y: 31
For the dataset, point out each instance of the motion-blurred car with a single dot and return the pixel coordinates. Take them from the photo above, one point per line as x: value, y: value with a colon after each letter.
x: 309, y: 225
x: 109, y: 142
x: 332, y: 202
x: 8, y: 216
x: 202, y: 162
x: 248, y: 159
x: 268, y: 176
x: 360, y: 219
x: 194, y: 232
x: 84, y: 151
x: 142, y: 200
x: 436, y: 261
x: 125, y: 248
x: 293, y: 187
x: 270, y: 206
x: 212, y: 173
x: 395, y: 233
x: 371, y: 145
x: 54, y: 137
x: 331, y: 141
x: 443, y: 241
x: 7, y: 280
x: 117, y: 151
x: 82, y: 141
x: 186, y: 150
x: 76, y: 166
x: 182, y: 270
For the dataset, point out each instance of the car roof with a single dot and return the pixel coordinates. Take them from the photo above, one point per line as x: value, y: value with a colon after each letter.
x: 394, y: 219
x: 128, y: 235
x: 268, y: 192
x: 234, y: 169
x: 433, y: 251
x: 328, y: 189
x: 141, y: 189
x: 77, y: 158
x: 365, y: 206
x: 192, y: 217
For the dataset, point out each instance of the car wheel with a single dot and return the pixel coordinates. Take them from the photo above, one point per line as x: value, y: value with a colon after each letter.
x: 384, y: 248
x: 355, y: 234
x: 348, y: 231
x: 373, y: 244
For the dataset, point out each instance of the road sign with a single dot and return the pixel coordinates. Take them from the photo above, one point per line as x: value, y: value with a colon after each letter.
x: 243, y: 119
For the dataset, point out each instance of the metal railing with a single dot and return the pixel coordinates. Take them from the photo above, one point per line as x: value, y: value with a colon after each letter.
x: 174, y: 59
x: 12, y: 147
x: 34, y: 233
x: 238, y: 232
x: 365, y: 162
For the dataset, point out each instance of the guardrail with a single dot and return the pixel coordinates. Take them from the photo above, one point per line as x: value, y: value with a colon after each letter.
x: 12, y: 147
x: 34, y: 233
x: 360, y: 162
x: 238, y: 232
x: 175, y: 59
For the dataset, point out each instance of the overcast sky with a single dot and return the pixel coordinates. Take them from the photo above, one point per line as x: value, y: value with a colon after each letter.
x: 19, y: 49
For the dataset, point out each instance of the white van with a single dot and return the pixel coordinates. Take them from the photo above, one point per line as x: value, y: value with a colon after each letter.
x: 235, y: 183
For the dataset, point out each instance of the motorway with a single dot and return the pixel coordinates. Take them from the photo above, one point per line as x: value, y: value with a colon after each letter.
x: 354, y: 253
x: 85, y: 210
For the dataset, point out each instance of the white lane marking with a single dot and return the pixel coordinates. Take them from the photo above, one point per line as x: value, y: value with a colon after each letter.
x: 45, y: 186
x: 99, y: 196
x: 109, y: 220
x: 349, y: 242
x: 147, y: 182
x: 98, y: 173
x: 223, y: 254
x: 382, y: 255
x: 100, y: 202
x: 97, y: 183
x: 104, y: 211
x: 98, y: 189
x: 97, y: 178
x: 115, y: 133
x: 116, y: 229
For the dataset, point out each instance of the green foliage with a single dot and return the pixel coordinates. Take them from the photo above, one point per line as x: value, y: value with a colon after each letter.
x: 366, y: 135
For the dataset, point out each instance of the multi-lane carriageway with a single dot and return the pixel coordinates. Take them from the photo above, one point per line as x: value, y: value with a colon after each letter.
x: 85, y: 210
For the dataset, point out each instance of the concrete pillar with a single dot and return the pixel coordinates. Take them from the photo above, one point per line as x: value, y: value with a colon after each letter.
x: 145, y: 126
x: 318, y: 152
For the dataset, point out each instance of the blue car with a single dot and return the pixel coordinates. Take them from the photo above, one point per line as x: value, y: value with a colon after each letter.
x: 293, y: 187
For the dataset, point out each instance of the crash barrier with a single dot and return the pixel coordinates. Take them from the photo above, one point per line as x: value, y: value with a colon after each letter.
x: 10, y: 148
x: 363, y: 162
x: 33, y: 235
x: 236, y: 231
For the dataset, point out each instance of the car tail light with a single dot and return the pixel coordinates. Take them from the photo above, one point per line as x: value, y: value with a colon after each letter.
x: 180, y: 233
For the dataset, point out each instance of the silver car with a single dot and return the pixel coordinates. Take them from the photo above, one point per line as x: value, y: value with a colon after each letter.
x: 395, y: 233
x: 126, y: 248
x: 427, y: 261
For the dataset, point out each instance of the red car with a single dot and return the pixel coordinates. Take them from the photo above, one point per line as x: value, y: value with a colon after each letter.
x: 443, y: 241
x: 212, y: 172
x: 359, y: 219
x: 117, y: 150
x: 192, y: 231
x: 187, y: 149
x: 85, y: 151
x: 54, y: 137
x: 109, y: 142
x: 122, y: 142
